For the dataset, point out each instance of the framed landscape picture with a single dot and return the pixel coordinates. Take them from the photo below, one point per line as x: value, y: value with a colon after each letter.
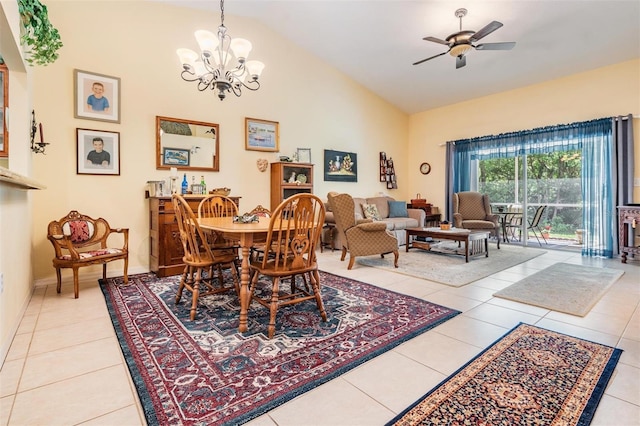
x: 175, y: 156
x: 340, y: 166
x: 261, y: 135
x: 98, y: 152
x: 96, y: 96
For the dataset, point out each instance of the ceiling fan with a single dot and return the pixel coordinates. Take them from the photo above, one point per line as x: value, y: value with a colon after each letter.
x: 461, y: 42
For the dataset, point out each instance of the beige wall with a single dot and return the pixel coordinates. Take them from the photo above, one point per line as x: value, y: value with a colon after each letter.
x: 316, y: 106
x: 604, y: 92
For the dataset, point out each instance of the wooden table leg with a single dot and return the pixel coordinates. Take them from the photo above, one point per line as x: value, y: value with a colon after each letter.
x: 486, y: 247
x: 466, y: 250
x: 246, y: 241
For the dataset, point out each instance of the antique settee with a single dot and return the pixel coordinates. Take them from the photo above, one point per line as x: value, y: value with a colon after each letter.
x: 396, y: 223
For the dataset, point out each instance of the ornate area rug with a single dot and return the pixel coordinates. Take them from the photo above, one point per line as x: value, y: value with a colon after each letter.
x: 451, y: 269
x: 531, y: 376
x: 205, y: 372
x: 563, y: 287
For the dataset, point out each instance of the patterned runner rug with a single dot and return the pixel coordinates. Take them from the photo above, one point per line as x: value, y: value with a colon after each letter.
x: 205, y: 372
x: 531, y: 376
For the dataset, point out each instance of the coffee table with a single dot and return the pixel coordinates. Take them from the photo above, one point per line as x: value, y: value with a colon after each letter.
x: 463, y: 235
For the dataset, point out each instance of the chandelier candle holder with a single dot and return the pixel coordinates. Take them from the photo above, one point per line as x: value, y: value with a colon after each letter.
x: 214, y: 68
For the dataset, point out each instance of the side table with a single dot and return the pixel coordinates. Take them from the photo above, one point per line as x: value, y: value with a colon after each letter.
x: 432, y: 219
x: 330, y: 232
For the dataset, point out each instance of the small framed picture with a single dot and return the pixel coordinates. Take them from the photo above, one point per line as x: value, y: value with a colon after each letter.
x: 261, y: 135
x: 98, y: 152
x: 175, y: 157
x: 96, y: 96
x: 304, y: 155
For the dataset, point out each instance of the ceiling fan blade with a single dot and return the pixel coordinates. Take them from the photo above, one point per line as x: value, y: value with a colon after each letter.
x: 436, y: 40
x: 508, y: 45
x: 425, y: 60
x: 461, y: 61
x: 494, y: 25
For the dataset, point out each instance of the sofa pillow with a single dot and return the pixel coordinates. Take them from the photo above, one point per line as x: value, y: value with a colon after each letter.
x: 398, y: 209
x: 371, y: 211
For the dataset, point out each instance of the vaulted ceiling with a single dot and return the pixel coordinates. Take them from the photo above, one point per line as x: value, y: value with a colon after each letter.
x: 376, y: 41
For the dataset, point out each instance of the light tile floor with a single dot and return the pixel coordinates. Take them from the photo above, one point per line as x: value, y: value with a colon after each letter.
x: 65, y: 366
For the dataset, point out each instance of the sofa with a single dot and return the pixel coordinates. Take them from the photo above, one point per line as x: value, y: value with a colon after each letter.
x: 396, y: 224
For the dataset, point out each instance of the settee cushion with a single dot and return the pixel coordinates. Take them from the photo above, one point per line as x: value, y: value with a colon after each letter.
x: 371, y: 211
x: 398, y: 209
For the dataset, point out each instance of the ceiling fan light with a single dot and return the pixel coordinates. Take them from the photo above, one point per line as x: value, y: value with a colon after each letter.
x: 460, y: 49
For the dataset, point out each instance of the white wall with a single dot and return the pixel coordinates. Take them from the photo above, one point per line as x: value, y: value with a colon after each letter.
x: 15, y: 205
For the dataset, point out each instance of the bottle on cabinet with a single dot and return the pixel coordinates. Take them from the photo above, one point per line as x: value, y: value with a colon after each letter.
x: 204, y: 185
x: 185, y: 185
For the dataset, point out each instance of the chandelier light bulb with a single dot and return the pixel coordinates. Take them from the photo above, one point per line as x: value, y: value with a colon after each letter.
x: 207, y: 41
x: 254, y: 68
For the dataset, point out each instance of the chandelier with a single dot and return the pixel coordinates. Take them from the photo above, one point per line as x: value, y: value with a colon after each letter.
x: 214, y: 68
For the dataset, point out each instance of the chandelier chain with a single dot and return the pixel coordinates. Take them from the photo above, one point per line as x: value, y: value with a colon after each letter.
x: 222, y: 13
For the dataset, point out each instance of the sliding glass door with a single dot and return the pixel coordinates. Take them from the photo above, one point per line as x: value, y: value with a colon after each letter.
x: 547, y: 183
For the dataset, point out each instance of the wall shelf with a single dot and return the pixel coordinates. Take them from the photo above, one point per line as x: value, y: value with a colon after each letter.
x: 17, y: 181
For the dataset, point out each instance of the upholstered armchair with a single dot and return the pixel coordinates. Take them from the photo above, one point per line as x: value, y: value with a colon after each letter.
x: 360, y: 237
x: 472, y: 210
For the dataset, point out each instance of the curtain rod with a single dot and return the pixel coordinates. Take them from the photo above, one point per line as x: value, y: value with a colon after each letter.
x: 622, y: 118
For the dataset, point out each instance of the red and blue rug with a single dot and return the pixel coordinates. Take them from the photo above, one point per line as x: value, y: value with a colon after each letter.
x: 531, y: 376
x: 206, y: 372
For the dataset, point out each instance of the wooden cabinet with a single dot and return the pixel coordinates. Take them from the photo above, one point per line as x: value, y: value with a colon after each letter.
x: 288, y: 179
x: 628, y: 235
x: 165, y: 247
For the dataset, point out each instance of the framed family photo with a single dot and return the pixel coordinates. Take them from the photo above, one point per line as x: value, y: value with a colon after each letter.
x: 98, y: 152
x: 261, y: 135
x: 96, y: 96
x: 304, y: 155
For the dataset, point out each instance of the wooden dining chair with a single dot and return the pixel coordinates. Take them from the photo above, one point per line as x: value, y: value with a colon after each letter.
x: 219, y: 206
x: 294, y: 230
x: 199, y: 258
x: 257, y: 251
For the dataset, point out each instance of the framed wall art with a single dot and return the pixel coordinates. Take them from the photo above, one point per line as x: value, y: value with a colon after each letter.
x: 261, y: 135
x: 340, y: 166
x: 98, y: 152
x: 96, y: 96
x: 175, y: 157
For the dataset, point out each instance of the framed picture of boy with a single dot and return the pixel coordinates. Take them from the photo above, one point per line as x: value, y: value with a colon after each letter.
x: 98, y: 152
x: 96, y: 96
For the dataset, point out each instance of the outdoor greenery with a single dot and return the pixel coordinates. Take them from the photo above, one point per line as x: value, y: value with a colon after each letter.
x: 40, y: 37
x: 553, y: 179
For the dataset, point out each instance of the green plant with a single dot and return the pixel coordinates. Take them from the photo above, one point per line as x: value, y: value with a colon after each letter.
x: 40, y: 36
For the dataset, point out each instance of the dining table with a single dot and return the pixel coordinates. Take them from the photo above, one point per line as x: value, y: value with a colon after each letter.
x: 247, y: 235
x: 506, y: 217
